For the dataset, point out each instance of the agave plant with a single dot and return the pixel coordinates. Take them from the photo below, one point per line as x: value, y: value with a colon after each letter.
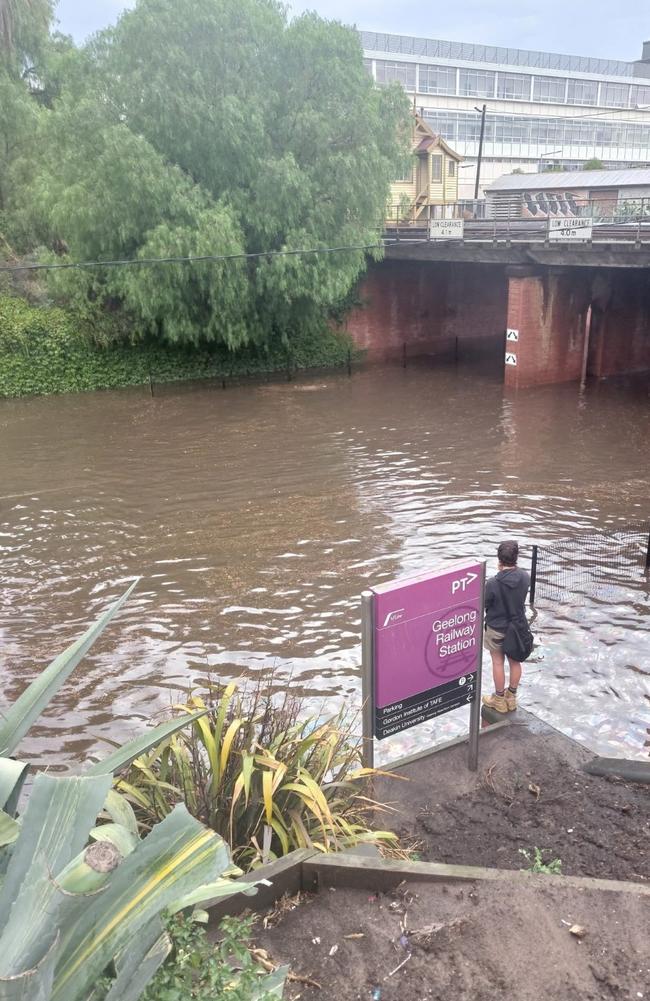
x: 264, y: 778
x: 80, y: 902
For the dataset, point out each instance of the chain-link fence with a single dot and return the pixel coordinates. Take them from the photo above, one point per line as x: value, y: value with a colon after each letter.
x: 591, y: 564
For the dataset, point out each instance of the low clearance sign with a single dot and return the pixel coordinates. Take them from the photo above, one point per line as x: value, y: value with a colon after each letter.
x: 427, y: 646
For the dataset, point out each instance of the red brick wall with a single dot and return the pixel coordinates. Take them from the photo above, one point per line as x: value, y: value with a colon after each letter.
x: 425, y: 306
x: 549, y: 312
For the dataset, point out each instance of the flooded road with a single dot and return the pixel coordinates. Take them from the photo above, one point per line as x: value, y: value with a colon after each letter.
x: 257, y: 515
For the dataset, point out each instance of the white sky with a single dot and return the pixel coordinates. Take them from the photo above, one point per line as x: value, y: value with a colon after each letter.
x: 580, y: 27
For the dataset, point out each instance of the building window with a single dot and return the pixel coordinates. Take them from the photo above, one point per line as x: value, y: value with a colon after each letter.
x: 403, y: 73
x: 437, y: 80
x: 535, y: 135
x: 513, y: 86
x: 451, y: 168
x: 582, y: 92
x: 406, y: 176
x: 549, y: 89
x: 639, y: 96
x: 436, y: 167
x: 614, y: 95
x: 477, y: 83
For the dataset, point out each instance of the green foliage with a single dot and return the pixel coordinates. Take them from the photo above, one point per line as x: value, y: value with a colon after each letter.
x: 594, y: 164
x: 216, y: 127
x: 74, y: 913
x: 197, y: 970
x: 537, y: 864
x: 43, y: 351
x: 71, y: 912
x: 19, y: 120
x: 266, y: 779
x: 24, y: 25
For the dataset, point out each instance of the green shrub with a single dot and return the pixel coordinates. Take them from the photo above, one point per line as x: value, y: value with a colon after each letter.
x: 197, y: 970
x: 43, y: 350
x: 264, y: 777
x: 80, y: 903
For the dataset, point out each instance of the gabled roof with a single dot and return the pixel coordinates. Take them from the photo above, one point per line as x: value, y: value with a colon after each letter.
x: 430, y: 140
x: 550, y: 181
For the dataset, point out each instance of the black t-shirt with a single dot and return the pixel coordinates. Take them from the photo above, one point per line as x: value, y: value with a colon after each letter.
x: 517, y: 581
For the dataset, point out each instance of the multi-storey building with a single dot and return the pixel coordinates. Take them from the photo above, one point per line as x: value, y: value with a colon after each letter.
x: 542, y: 109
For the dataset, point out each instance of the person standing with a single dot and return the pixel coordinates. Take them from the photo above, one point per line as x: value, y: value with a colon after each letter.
x: 505, y: 598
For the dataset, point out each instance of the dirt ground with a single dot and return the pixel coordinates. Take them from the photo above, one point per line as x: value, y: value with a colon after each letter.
x: 509, y: 938
x: 530, y: 791
x: 479, y: 942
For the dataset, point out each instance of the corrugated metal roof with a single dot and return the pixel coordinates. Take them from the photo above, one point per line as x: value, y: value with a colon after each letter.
x: 551, y: 180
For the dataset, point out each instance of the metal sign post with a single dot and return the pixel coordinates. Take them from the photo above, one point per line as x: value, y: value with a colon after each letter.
x: 367, y: 693
x: 422, y: 652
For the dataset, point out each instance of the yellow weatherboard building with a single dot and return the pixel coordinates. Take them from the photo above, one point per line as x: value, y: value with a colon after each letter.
x: 432, y: 179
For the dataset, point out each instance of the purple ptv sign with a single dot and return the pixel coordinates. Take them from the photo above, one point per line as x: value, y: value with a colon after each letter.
x: 427, y: 645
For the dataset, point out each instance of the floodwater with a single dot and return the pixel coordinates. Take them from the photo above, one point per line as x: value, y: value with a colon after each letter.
x: 256, y: 516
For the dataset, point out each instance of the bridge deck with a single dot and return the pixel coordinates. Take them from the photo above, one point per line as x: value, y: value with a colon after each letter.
x: 526, y: 231
x: 525, y: 242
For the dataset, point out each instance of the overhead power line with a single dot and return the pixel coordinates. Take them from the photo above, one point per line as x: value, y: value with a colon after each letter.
x: 70, y: 265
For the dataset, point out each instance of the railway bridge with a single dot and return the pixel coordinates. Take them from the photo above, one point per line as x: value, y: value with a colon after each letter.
x: 560, y: 309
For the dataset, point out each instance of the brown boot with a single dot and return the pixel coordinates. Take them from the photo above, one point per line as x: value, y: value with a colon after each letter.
x: 496, y: 702
x: 511, y: 700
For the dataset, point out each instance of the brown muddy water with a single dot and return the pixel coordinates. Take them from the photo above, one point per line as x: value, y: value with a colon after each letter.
x: 257, y: 515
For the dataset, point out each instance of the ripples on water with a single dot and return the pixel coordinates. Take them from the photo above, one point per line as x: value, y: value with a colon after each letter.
x: 256, y: 516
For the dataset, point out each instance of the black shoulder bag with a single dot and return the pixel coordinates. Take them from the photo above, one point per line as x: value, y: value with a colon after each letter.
x: 518, y: 641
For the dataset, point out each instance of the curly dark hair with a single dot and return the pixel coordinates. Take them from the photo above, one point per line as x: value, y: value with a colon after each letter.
x: 507, y: 553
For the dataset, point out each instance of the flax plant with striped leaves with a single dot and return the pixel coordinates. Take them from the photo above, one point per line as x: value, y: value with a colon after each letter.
x: 265, y: 778
x: 83, y: 903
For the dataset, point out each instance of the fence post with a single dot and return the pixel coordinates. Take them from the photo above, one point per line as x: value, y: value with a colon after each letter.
x: 533, y: 575
x: 151, y: 383
x: 404, y: 354
x: 349, y: 361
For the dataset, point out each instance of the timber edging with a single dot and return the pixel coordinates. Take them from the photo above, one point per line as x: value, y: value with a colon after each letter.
x: 311, y: 871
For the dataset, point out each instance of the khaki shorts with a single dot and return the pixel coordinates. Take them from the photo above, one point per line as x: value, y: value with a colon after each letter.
x: 493, y: 640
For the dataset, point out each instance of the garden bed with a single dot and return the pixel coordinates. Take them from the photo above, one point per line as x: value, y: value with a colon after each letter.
x: 472, y: 941
x: 460, y: 922
x: 530, y: 792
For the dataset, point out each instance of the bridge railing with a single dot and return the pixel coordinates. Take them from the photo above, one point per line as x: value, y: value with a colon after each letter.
x: 544, y: 205
x: 624, y: 220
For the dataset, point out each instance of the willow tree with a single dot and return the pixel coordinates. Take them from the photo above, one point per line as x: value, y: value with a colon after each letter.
x: 22, y: 25
x: 24, y: 37
x: 221, y: 127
